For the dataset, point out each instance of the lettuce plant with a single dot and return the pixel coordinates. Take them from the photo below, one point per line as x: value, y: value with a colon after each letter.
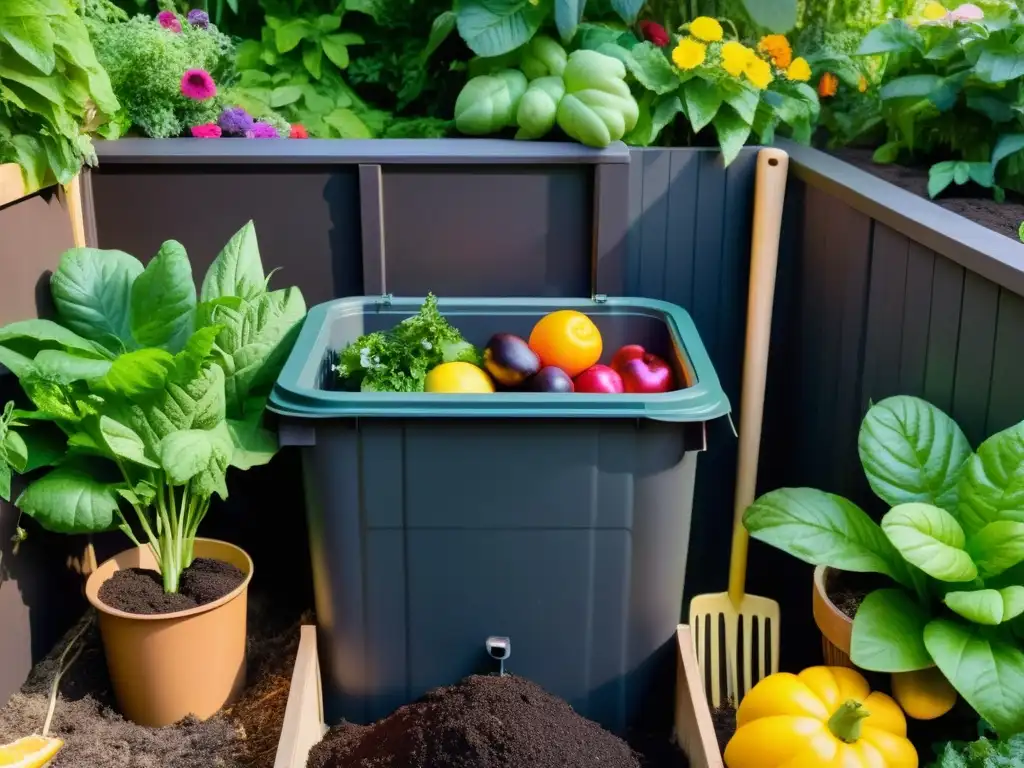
x: 144, y: 393
x: 952, y: 543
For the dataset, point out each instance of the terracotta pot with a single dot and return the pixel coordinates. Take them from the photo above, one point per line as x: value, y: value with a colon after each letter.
x: 836, y: 627
x: 167, y: 666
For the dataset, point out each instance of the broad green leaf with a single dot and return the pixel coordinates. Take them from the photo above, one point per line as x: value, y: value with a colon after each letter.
x: 124, y: 442
x: 328, y: 22
x: 887, y: 153
x: 744, y: 98
x: 199, y: 457
x: 198, y: 348
x: 196, y: 404
x: 17, y: 70
x: 284, y: 95
x: 627, y: 10
x: 930, y: 538
x: 895, y: 36
x: 911, y: 85
x: 336, y: 48
x: 348, y: 124
x: 987, y: 606
x: 51, y: 400
x: 648, y: 65
x: 997, y: 547
x: 15, y: 451
x: 823, y: 529
x: 702, y: 100
x: 496, y: 27
x: 254, y: 445
x: 163, y: 300
x: 92, y: 292
x: 994, y: 108
x: 46, y: 446
x: 982, y: 174
x: 992, y: 487
x: 32, y: 38
x: 28, y: 337
x: 290, y: 34
x: 70, y: 500
x: 940, y: 176
x: 137, y: 374
x: 774, y: 15
x: 237, y: 270
x: 999, y: 63
x: 888, y: 633
x: 312, y: 60
x: 64, y: 367
x: 5, y: 481
x: 568, y: 15
x: 988, y: 673
x: 17, y: 364
x: 912, y: 451
x: 1007, y: 145
x: 441, y: 28
x: 732, y: 133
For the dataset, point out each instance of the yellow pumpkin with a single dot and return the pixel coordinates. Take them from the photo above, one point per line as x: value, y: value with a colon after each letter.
x: 925, y: 694
x: 825, y: 717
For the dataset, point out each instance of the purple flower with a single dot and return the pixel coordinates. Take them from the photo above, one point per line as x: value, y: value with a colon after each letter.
x: 198, y: 85
x: 169, y: 20
x: 197, y: 17
x: 235, y: 121
x: 262, y: 131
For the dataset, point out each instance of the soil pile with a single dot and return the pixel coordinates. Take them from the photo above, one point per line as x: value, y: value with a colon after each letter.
x: 141, y: 590
x: 482, y: 722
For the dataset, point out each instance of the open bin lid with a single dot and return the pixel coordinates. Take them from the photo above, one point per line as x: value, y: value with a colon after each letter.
x: 298, y: 392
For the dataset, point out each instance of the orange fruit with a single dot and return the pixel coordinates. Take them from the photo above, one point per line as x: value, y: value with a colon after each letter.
x: 458, y: 377
x: 566, y: 339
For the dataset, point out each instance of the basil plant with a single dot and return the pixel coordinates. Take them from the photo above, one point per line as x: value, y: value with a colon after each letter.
x: 952, y: 544
x: 144, y: 393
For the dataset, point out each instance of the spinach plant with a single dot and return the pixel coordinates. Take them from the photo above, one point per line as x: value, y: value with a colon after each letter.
x: 988, y: 751
x: 952, y: 543
x: 155, y: 391
x: 951, y: 96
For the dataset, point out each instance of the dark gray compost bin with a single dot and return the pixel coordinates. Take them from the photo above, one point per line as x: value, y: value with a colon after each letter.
x: 560, y: 521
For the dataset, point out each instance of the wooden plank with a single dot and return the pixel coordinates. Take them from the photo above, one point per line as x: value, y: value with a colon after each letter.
x: 917, y: 310
x: 1005, y: 404
x: 12, y: 183
x: 974, y: 357
x: 943, y: 333
x: 304, y: 714
x: 884, y: 333
x: 694, y: 729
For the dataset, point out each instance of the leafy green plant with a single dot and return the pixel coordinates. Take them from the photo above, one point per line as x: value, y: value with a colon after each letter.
x: 953, y: 545
x: 951, y: 93
x: 53, y: 91
x: 147, y: 62
x: 988, y: 751
x: 153, y: 391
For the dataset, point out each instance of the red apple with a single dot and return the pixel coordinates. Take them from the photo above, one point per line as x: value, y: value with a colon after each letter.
x: 599, y: 379
x: 642, y: 372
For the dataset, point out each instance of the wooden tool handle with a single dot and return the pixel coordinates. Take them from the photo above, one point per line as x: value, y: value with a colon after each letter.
x: 769, y: 195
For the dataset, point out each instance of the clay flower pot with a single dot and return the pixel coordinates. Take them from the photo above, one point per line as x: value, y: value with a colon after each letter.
x: 164, y: 667
x: 836, y: 627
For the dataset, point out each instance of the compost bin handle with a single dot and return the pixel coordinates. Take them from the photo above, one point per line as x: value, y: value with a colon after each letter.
x: 769, y: 196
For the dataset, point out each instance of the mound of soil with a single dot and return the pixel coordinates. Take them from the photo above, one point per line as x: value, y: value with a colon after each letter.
x: 481, y: 722
x: 141, y: 590
x: 96, y: 736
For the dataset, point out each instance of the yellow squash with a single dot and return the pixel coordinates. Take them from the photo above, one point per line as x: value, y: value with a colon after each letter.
x: 825, y: 717
x: 925, y: 694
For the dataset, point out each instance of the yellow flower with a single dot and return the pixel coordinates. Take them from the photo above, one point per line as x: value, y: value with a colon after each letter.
x: 934, y: 11
x: 735, y: 57
x: 799, y: 70
x: 758, y: 72
x: 689, y: 54
x: 707, y: 29
x: 777, y: 48
x: 862, y: 84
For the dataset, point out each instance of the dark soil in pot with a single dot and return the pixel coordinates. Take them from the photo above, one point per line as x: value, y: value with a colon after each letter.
x: 970, y: 201
x: 847, y: 590
x: 482, y: 722
x: 96, y: 736
x: 724, y: 719
x: 141, y: 590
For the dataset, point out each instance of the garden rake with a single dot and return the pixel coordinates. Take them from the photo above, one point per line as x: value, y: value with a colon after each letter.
x: 737, y: 635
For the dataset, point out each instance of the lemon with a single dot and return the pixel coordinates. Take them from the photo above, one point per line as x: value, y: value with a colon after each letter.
x: 925, y: 694
x: 29, y: 752
x: 458, y: 377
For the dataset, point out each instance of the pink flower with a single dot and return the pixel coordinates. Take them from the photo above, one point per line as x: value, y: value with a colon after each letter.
x: 198, y: 85
x: 653, y: 32
x: 298, y: 131
x: 967, y: 12
x: 262, y: 130
x: 206, y: 131
x: 169, y: 20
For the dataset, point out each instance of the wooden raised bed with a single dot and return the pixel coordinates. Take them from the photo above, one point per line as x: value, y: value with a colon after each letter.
x: 304, y: 717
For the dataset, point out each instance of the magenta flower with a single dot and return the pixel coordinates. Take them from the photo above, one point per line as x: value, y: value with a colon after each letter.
x: 198, y: 85
x: 169, y: 20
x: 262, y: 131
x: 197, y: 17
x: 235, y: 121
x: 206, y: 131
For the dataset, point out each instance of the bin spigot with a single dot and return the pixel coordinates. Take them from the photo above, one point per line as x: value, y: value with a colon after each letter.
x: 499, y: 648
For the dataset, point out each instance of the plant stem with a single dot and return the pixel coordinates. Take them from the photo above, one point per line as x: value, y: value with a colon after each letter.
x: 61, y: 669
x: 845, y: 723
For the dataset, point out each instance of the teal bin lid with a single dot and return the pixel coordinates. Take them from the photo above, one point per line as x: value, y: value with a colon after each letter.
x: 298, y: 392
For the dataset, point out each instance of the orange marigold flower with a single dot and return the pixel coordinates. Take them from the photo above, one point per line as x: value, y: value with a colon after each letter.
x: 828, y: 85
x: 777, y: 48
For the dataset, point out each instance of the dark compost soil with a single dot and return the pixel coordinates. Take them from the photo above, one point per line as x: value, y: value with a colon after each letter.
x: 481, y: 722
x: 724, y: 719
x: 243, y: 736
x: 974, y: 203
x: 141, y: 590
x: 847, y: 590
